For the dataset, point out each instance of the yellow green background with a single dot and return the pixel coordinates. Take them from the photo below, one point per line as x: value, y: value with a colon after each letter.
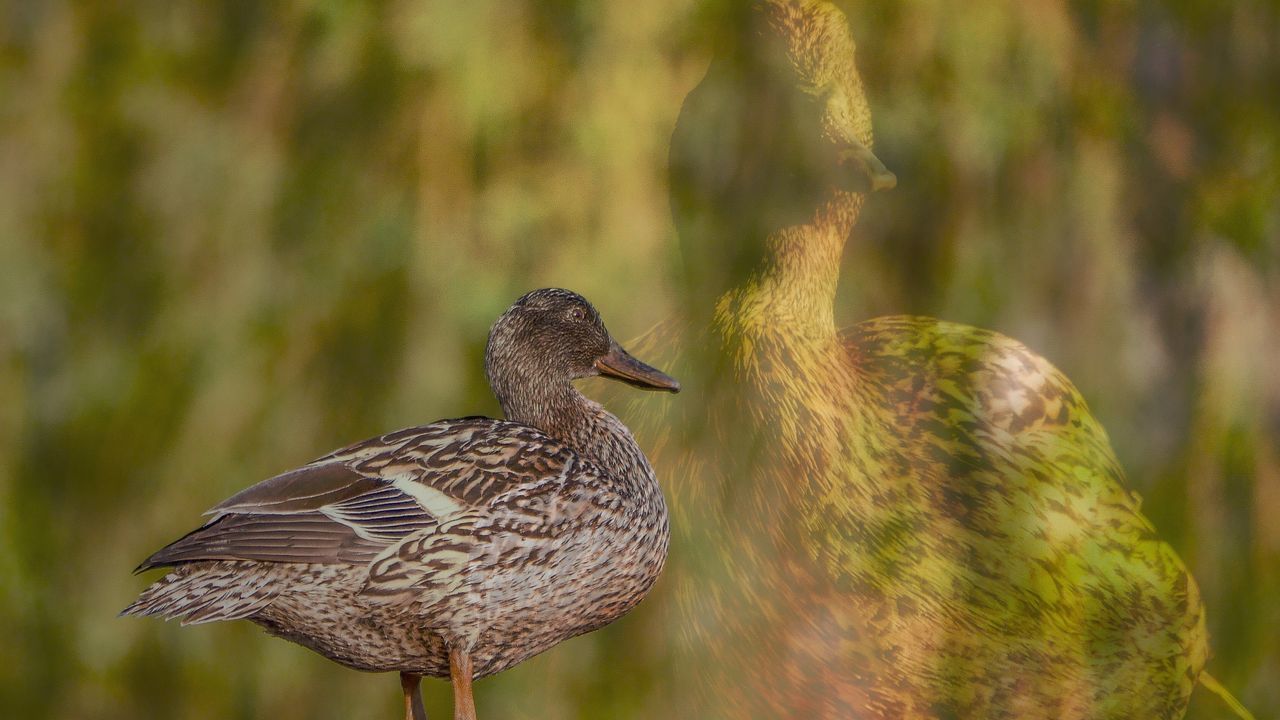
x: 236, y: 235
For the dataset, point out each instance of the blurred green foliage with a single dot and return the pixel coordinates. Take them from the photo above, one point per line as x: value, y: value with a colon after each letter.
x: 236, y: 235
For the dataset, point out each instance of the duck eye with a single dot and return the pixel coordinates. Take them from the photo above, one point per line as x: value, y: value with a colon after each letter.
x: 577, y: 313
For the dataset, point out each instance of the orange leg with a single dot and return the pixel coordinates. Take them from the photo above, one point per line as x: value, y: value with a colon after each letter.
x: 412, y: 686
x: 464, y: 706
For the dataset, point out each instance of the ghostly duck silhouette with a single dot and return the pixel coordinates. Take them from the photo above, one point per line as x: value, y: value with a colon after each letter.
x: 915, y: 518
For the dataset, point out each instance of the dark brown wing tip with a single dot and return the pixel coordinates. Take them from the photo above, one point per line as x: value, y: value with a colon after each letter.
x: 148, y: 564
x: 171, y: 554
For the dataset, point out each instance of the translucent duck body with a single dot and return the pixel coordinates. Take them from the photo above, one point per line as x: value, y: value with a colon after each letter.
x: 926, y: 519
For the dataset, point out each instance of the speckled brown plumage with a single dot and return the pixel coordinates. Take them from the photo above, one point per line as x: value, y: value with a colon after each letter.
x: 493, y: 538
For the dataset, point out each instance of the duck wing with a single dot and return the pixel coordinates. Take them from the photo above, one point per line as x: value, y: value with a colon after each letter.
x: 356, y: 503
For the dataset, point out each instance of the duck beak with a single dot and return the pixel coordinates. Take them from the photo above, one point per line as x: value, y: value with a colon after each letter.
x: 873, y: 172
x: 619, y: 364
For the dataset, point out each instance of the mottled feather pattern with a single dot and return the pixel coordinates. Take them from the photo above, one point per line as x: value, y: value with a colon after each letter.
x: 820, y: 49
x: 1060, y: 569
x: 963, y: 593
x: 922, y: 519
x: 221, y: 591
x: 467, y: 526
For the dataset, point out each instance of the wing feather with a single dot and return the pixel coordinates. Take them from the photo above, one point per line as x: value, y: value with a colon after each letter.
x: 321, y: 513
x: 355, y: 504
x: 308, y: 537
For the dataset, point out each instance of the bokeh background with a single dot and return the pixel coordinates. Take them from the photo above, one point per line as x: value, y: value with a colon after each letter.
x: 236, y: 235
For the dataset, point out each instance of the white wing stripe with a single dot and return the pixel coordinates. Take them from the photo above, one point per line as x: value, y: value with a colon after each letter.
x: 439, y: 505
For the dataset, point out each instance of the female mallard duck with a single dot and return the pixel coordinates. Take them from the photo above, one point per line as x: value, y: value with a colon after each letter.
x: 458, y: 548
x: 928, y: 521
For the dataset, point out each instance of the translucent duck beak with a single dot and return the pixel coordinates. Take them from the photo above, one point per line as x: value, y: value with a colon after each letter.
x: 619, y: 364
x: 877, y: 174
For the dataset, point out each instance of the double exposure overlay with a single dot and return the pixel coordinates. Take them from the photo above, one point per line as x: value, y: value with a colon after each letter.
x: 974, y: 309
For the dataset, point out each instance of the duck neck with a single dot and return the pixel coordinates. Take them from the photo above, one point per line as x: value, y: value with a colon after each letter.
x: 569, y: 416
x: 541, y: 405
x: 794, y: 288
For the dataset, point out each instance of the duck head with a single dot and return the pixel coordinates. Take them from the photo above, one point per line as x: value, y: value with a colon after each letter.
x: 777, y: 135
x: 548, y: 339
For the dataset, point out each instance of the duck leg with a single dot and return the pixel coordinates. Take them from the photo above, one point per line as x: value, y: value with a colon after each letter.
x: 412, y: 686
x: 464, y: 706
